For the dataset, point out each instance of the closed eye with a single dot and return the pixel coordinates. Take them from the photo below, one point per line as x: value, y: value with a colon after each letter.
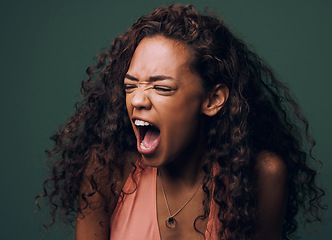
x: 129, y: 87
x: 163, y: 88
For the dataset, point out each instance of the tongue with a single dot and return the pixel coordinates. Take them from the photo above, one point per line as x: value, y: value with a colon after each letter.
x: 150, y: 137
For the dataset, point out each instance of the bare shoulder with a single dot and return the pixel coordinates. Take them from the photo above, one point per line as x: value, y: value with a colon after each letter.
x: 271, y: 194
x: 270, y: 166
x: 92, y: 221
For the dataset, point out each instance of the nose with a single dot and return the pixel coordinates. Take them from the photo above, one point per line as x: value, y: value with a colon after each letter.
x: 141, y: 99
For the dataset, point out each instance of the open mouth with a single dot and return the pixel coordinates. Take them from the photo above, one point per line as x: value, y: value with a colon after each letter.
x: 148, y: 135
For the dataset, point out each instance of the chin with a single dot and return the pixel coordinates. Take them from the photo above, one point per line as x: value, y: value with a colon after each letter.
x: 155, y: 160
x: 151, y: 161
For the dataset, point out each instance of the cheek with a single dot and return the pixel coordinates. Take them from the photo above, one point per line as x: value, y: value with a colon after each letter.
x: 128, y: 104
x: 183, y: 119
x: 183, y: 133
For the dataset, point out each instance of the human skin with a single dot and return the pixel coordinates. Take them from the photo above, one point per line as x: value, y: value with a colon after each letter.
x: 162, y: 89
x: 175, y: 104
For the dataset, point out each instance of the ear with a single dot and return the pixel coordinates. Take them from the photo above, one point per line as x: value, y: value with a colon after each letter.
x: 215, y: 100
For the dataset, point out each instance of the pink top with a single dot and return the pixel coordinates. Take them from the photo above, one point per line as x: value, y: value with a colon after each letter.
x: 135, y: 217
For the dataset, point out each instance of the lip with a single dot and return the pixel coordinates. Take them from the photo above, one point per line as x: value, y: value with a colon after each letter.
x: 155, y: 145
x: 133, y: 118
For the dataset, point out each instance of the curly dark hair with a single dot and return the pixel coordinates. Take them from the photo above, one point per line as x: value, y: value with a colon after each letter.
x: 259, y: 115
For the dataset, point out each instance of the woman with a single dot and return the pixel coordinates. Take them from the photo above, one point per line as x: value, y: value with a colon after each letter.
x: 182, y: 133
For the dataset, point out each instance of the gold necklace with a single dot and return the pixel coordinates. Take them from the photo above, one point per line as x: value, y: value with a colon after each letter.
x: 171, y: 221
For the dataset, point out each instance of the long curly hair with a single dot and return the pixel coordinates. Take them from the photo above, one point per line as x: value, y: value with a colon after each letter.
x: 259, y: 115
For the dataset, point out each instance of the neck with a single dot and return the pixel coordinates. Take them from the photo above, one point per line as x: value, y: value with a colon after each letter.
x: 186, y: 170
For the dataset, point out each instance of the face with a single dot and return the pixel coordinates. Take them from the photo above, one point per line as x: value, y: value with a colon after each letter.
x: 164, y: 100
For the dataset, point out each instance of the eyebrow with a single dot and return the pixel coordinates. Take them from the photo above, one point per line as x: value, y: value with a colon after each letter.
x: 152, y: 78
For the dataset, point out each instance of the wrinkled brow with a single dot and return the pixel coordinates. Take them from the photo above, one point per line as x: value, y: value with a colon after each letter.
x: 152, y: 78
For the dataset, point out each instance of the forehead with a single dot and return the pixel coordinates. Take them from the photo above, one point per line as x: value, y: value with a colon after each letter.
x: 159, y: 56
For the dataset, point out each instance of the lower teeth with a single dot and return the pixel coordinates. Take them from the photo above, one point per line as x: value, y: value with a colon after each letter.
x: 142, y: 146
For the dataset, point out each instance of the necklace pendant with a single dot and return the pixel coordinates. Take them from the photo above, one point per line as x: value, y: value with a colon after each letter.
x: 170, y: 222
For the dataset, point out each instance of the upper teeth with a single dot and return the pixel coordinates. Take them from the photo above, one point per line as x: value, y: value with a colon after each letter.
x: 141, y: 123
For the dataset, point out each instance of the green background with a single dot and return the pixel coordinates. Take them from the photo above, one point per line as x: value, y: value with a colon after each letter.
x: 47, y: 45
